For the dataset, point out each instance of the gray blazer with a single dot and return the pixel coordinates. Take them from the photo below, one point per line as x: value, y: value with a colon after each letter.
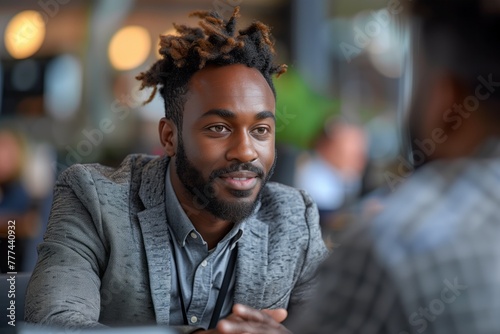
x: 105, y: 258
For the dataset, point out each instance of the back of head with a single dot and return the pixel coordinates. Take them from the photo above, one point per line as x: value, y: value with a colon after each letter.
x: 215, y: 42
x: 460, y: 36
x: 454, y: 75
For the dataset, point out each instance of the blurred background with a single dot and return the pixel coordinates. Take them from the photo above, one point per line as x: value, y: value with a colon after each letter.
x: 68, y: 95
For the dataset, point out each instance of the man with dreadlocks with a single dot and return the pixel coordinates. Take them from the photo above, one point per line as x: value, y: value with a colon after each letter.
x: 199, y: 234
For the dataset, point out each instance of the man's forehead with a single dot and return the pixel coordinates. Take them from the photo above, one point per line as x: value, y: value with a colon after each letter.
x: 235, y: 74
x: 218, y: 84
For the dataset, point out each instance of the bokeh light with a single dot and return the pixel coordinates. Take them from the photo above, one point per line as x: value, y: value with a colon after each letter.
x: 63, y: 87
x: 129, y: 48
x: 24, y: 34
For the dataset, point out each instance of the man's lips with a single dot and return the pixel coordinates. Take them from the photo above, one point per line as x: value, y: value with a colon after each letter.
x: 241, y: 180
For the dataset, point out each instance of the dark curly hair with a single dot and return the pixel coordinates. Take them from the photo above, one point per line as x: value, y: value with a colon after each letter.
x: 215, y: 42
x: 461, y: 36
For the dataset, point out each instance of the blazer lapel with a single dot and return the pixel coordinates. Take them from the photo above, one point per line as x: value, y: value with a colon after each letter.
x: 251, y: 265
x: 153, y: 222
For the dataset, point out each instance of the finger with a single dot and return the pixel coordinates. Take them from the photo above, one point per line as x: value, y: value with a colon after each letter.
x: 279, y: 315
x: 226, y: 326
x: 249, y: 314
x: 249, y: 327
x: 252, y: 315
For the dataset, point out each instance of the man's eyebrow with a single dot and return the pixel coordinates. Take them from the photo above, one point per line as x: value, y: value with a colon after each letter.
x: 264, y: 115
x: 224, y: 113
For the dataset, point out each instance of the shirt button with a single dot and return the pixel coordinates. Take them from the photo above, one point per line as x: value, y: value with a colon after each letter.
x: 194, y: 319
x: 204, y: 263
x: 193, y: 235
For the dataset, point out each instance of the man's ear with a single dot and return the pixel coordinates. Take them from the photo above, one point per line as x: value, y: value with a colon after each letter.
x: 444, y: 94
x: 448, y: 127
x: 168, y: 136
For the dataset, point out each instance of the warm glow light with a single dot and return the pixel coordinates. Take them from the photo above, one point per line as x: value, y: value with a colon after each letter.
x: 129, y: 47
x: 24, y: 34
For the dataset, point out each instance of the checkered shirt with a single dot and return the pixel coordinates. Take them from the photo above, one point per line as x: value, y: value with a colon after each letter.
x: 429, y: 262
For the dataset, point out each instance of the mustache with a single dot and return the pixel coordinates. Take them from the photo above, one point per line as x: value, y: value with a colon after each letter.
x: 237, y: 167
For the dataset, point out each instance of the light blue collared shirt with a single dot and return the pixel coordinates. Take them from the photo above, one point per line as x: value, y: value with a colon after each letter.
x: 201, y: 271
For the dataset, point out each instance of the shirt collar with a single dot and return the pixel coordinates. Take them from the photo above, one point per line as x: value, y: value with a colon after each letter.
x: 489, y: 148
x: 181, y: 225
x: 179, y: 222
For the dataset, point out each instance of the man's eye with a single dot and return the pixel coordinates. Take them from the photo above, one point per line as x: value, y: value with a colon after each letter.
x: 261, y: 131
x: 218, y: 128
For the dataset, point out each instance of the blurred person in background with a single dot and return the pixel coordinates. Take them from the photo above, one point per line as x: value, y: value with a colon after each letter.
x: 429, y: 261
x: 186, y: 238
x: 332, y: 173
x: 16, y: 203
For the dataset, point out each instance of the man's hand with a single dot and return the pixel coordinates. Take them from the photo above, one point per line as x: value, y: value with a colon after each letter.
x: 246, y: 320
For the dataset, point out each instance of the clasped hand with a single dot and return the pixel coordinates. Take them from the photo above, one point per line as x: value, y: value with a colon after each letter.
x: 246, y: 320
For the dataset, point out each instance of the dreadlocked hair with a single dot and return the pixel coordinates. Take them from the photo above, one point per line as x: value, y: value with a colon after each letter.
x: 215, y: 42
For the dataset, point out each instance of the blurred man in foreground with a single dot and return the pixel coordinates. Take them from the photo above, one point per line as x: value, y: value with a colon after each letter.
x: 184, y: 239
x: 429, y: 262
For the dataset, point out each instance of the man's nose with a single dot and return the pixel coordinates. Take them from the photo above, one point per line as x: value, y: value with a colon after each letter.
x: 242, y: 148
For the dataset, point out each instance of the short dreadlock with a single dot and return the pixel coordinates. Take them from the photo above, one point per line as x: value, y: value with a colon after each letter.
x: 214, y: 43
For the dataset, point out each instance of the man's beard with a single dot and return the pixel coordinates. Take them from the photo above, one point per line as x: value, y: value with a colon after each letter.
x: 204, y: 193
